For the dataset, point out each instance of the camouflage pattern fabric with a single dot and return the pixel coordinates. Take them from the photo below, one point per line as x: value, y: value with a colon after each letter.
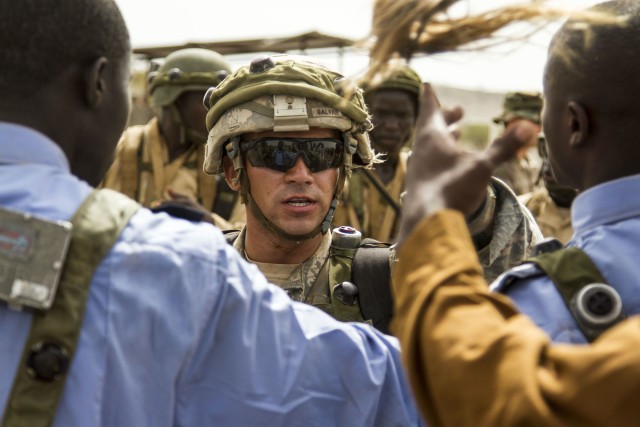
x: 553, y: 220
x: 515, y: 233
x: 520, y: 105
x: 302, y: 283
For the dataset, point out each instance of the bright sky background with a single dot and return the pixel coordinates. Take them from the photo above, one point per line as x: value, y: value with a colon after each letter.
x: 171, y: 22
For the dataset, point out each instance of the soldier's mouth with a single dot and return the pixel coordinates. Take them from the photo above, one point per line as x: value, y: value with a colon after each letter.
x: 299, y: 203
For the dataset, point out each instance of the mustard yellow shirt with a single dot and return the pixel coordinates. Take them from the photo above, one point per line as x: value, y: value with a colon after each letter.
x: 473, y: 360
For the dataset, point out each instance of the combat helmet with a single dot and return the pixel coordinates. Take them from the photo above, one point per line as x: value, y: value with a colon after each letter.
x: 186, y: 70
x: 285, y: 93
x: 520, y: 105
x: 402, y: 78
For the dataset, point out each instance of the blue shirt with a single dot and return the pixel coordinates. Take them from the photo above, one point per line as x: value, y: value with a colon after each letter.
x: 606, y: 222
x: 180, y: 331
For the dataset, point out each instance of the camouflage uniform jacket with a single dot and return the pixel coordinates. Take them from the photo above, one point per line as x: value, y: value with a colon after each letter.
x: 506, y: 244
x: 141, y: 170
x: 308, y: 282
x: 553, y: 220
x: 511, y: 238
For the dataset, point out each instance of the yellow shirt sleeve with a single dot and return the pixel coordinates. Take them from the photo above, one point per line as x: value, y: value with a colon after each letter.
x: 473, y: 360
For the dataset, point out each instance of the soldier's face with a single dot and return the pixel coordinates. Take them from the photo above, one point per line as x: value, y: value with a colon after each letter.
x: 297, y: 200
x: 393, y: 116
x: 192, y: 111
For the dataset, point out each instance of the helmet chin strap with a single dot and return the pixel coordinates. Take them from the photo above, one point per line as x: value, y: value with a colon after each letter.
x: 245, y: 193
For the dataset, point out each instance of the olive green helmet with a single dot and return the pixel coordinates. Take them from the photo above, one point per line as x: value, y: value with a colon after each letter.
x: 520, y: 105
x: 285, y: 93
x: 185, y: 70
x: 403, y: 78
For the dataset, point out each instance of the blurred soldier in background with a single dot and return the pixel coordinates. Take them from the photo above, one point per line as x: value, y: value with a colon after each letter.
x: 550, y: 205
x: 160, y: 164
x: 371, y: 201
x: 522, y: 173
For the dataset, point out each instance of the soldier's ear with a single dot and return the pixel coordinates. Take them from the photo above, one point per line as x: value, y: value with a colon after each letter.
x: 96, y: 82
x: 230, y: 174
x: 579, y: 123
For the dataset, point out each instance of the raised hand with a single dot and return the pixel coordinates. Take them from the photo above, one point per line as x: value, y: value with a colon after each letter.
x: 442, y: 175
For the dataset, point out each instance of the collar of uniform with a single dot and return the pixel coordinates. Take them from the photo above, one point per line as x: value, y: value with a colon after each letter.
x: 305, y: 275
x: 606, y: 203
x: 21, y: 144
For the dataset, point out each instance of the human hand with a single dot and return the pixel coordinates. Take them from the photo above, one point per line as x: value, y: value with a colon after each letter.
x: 442, y: 175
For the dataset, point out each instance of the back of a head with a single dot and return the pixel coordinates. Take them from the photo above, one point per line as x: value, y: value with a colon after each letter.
x: 40, y: 39
x: 191, y: 69
x: 599, y: 63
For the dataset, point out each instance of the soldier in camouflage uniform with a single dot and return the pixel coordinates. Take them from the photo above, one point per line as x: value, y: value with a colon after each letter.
x: 550, y: 205
x: 521, y: 173
x: 371, y: 201
x: 286, y: 139
x: 160, y: 164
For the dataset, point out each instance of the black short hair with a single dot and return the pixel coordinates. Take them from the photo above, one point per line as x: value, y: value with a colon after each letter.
x: 601, y: 62
x: 39, y: 39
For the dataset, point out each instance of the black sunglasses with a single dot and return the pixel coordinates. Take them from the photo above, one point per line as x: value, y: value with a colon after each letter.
x: 281, y: 154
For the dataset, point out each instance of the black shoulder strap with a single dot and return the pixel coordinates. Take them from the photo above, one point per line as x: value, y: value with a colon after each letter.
x: 231, y: 235
x: 372, y: 275
x: 225, y: 199
x: 595, y: 305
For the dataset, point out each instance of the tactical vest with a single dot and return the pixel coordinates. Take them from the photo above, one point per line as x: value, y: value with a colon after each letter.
x: 595, y: 305
x: 358, y: 276
x: 52, y: 340
x: 213, y: 192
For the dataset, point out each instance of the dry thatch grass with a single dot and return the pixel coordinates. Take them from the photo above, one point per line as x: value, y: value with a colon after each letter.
x: 404, y: 28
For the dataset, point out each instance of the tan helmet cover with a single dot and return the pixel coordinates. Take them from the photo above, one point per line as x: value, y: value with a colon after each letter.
x: 285, y: 93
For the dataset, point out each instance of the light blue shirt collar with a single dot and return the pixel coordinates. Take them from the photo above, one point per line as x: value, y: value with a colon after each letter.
x: 606, y: 203
x: 20, y: 144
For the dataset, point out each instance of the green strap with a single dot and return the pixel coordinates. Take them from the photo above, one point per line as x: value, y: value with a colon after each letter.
x: 570, y: 269
x: 340, y: 271
x: 96, y: 226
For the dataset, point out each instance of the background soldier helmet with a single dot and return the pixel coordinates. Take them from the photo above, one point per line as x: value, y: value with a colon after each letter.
x: 285, y: 93
x: 185, y: 70
x: 521, y: 105
x: 403, y: 78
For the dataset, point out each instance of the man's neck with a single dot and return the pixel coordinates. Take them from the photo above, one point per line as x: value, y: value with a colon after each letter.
x: 387, y: 170
x: 263, y: 246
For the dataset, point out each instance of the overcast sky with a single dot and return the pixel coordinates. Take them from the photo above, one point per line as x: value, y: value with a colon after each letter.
x: 170, y: 22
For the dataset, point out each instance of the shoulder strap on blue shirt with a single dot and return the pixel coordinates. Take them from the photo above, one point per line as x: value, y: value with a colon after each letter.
x: 595, y: 305
x: 52, y: 341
